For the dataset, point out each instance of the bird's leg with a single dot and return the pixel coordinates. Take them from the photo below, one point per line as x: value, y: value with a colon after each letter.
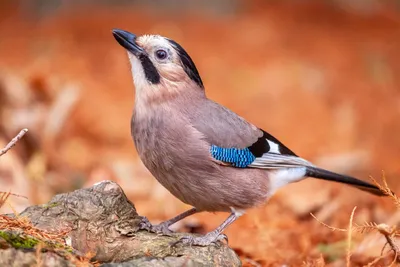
x: 211, y: 237
x: 163, y: 228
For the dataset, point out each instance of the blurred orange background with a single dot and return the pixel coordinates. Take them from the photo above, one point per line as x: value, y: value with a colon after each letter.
x: 322, y: 76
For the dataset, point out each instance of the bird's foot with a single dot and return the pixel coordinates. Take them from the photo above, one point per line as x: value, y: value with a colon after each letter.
x: 145, y: 224
x: 161, y: 229
x: 203, y: 241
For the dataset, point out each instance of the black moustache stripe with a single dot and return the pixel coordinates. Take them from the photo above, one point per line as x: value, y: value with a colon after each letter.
x: 150, y: 71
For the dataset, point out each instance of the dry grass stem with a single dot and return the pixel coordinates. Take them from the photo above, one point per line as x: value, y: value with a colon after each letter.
x: 83, y: 261
x: 15, y: 195
x: 366, y: 228
x: 39, y: 262
x: 394, y: 260
x: 24, y: 225
x: 328, y: 226
x: 3, y: 197
x: 13, y: 141
x: 251, y: 262
x: 349, y: 237
x: 386, y: 190
x: 390, y: 233
x: 372, y: 263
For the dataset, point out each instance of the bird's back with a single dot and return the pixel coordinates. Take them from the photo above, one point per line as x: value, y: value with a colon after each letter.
x: 221, y: 126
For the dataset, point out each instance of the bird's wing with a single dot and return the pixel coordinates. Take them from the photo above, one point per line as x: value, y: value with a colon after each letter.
x: 265, y: 153
x: 236, y: 142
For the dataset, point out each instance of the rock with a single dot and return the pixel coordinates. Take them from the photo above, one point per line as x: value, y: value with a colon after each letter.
x: 102, y: 222
x: 16, y: 258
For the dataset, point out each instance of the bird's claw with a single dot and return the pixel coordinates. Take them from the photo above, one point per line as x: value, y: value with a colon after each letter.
x: 161, y: 229
x: 211, y: 238
x: 145, y: 224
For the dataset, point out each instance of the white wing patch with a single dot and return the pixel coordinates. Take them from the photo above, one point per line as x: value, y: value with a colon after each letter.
x: 273, y: 159
x: 273, y: 147
x: 277, y: 161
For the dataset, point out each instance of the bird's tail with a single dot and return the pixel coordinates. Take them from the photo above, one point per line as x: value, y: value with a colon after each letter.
x: 331, y: 176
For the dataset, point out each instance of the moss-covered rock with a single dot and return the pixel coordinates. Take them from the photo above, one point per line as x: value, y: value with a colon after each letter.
x: 18, y: 240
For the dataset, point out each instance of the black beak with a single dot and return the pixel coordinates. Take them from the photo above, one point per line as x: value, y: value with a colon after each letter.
x: 127, y: 41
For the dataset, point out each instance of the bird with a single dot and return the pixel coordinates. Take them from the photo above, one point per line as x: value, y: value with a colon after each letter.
x: 206, y: 155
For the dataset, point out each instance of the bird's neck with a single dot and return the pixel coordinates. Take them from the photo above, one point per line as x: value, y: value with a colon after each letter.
x: 159, y: 104
x: 151, y: 98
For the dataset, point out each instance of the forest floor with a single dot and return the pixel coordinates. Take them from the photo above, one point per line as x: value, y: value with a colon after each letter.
x: 324, y: 81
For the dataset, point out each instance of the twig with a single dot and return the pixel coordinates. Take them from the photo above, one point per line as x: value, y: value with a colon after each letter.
x: 12, y: 194
x: 350, y: 230
x: 389, y: 233
x: 394, y: 260
x: 367, y: 227
x: 386, y: 190
x: 383, y: 249
x: 372, y: 263
x: 252, y: 262
x: 3, y: 197
x: 13, y: 209
x: 328, y: 226
x: 13, y: 142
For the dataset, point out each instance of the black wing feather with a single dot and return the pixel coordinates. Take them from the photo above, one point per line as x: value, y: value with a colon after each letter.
x: 261, y: 146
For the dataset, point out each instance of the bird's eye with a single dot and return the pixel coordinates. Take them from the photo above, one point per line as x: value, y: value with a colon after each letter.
x: 161, y: 54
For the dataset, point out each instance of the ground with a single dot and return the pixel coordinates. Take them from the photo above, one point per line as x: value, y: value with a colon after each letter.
x: 321, y: 78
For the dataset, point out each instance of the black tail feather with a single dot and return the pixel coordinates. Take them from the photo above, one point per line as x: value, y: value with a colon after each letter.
x: 331, y: 176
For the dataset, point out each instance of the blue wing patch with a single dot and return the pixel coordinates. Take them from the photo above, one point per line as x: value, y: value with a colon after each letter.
x: 240, y: 158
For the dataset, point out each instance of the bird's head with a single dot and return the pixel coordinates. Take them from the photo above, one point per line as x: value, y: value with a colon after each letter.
x: 160, y: 67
